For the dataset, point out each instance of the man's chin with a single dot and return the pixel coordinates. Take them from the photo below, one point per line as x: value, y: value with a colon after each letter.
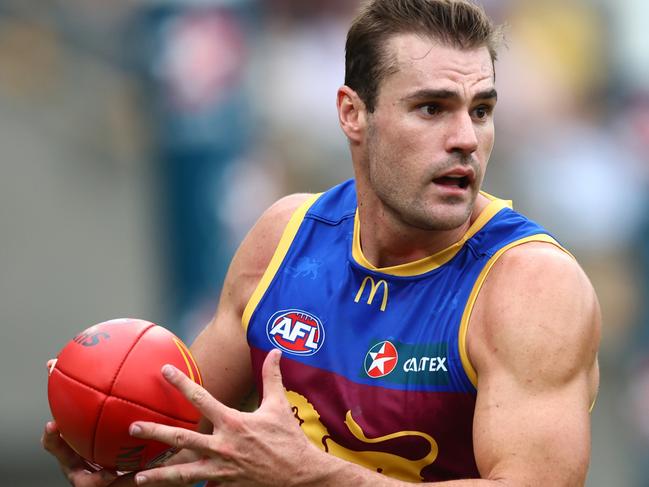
x: 440, y: 221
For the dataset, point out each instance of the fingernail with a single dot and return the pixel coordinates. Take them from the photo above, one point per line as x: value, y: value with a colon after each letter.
x: 278, y: 355
x: 140, y: 479
x: 168, y: 371
x: 135, y: 429
x: 49, y: 427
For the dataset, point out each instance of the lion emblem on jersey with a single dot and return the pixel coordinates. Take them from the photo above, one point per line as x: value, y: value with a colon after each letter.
x: 305, y: 267
x: 387, y: 463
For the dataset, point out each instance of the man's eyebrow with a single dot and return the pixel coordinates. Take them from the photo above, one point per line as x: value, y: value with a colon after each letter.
x: 428, y: 94
x: 491, y: 94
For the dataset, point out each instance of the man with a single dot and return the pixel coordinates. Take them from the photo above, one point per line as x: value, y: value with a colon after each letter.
x: 429, y: 332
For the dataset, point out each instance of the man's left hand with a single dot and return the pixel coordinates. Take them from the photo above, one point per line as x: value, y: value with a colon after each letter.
x: 262, y: 448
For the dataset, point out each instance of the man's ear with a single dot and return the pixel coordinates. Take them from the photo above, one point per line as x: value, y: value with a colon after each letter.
x: 352, y: 114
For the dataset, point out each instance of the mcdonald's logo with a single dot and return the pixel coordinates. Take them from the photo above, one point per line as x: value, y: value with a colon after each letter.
x: 374, y: 287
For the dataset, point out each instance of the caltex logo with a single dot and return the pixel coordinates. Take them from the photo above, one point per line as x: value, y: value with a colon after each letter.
x: 295, y: 331
x: 381, y: 359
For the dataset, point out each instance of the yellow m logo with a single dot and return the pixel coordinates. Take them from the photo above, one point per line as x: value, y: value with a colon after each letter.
x: 374, y: 287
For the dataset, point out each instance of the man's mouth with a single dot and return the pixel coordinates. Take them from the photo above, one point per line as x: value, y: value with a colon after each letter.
x: 461, y: 182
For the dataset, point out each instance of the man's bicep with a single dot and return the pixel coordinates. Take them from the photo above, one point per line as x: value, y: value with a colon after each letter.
x: 525, y: 438
x: 221, y: 349
x: 222, y: 353
x: 534, y: 348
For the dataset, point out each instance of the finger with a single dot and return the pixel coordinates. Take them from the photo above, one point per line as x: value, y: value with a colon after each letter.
x: 73, y: 465
x: 202, y: 400
x: 188, y: 473
x: 56, y: 445
x: 272, y: 376
x: 127, y: 480
x: 177, y: 437
x: 85, y: 478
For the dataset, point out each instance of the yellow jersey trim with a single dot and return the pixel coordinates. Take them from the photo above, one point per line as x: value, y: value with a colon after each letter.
x: 436, y: 260
x: 468, y: 309
x: 278, y: 257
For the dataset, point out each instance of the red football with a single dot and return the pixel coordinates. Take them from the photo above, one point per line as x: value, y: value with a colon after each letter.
x: 109, y: 376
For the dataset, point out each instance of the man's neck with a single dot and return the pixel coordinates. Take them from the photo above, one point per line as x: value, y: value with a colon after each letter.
x: 387, y: 241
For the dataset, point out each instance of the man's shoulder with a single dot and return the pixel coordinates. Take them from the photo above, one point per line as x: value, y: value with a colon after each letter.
x: 333, y: 205
x: 257, y: 249
x: 533, y: 257
x: 537, y: 304
x: 536, y: 272
x: 280, y: 212
x: 266, y: 234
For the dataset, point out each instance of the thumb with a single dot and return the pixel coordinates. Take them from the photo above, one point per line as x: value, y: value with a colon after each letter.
x: 272, y: 376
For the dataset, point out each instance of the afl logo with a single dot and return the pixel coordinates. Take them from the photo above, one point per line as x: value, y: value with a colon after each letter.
x: 381, y: 359
x: 295, y: 331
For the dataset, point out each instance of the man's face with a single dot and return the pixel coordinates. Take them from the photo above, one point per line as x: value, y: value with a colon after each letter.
x: 431, y: 133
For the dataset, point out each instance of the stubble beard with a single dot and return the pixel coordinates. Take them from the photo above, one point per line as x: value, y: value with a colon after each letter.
x: 410, y: 206
x: 419, y: 214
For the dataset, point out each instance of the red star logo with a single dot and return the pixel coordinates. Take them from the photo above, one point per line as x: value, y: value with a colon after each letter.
x: 381, y: 359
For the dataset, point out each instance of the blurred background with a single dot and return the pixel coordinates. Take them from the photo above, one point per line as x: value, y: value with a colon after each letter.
x: 141, y: 140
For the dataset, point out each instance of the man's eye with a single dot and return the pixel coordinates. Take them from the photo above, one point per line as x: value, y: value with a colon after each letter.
x: 482, y: 112
x: 429, y: 109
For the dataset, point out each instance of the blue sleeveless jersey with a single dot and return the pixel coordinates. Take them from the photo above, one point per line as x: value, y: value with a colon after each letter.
x: 374, y: 360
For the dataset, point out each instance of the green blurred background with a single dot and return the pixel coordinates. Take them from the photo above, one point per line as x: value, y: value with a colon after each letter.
x: 141, y: 139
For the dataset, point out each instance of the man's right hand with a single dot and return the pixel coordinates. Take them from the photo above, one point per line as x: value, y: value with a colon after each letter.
x: 80, y: 474
x: 75, y: 468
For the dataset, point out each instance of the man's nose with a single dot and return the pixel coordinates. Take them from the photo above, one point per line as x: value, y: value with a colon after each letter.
x: 461, y: 136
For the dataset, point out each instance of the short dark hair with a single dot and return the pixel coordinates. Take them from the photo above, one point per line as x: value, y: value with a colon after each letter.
x: 455, y: 23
